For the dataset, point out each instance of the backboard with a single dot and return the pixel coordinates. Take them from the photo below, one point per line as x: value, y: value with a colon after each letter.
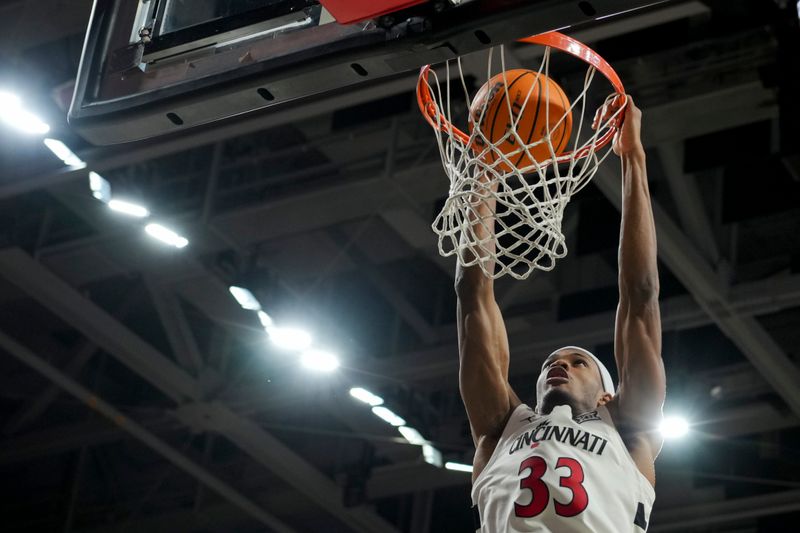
x: 153, y: 67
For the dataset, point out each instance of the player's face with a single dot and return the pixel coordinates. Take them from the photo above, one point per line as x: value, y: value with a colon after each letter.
x: 570, y: 375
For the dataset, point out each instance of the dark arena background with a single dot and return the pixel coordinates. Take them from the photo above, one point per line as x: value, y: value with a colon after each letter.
x: 195, y: 327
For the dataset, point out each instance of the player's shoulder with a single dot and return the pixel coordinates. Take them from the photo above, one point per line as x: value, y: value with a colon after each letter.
x: 524, y: 413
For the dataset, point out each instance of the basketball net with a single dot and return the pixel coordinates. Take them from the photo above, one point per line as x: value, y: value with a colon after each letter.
x: 522, y: 232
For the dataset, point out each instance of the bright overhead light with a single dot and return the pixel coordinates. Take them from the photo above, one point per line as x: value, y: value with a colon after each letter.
x: 412, y: 435
x: 387, y: 415
x: 319, y: 360
x: 13, y: 114
x: 100, y: 187
x: 244, y: 298
x: 24, y: 121
x: 431, y: 455
x: 63, y: 153
x: 674, y: 427
x: 265, y: 319
x: 8, y: 99
x: 366, y: 396
x: 458, y: 467
x: 129, y: 208
x: 289, y: 338
x: 166, y: 235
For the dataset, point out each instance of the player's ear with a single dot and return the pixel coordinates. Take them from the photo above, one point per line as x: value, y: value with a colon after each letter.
x: 604, y: 399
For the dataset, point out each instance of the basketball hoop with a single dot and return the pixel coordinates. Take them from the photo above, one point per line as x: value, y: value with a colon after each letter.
x: 530, y: 197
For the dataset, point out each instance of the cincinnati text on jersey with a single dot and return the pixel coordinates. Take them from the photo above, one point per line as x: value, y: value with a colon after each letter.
x: 544, y: 432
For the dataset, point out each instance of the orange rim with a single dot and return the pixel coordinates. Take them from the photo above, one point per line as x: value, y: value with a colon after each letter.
x: 553, y: 39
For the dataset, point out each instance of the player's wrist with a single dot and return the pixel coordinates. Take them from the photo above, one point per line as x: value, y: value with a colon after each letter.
x: 635, y: 152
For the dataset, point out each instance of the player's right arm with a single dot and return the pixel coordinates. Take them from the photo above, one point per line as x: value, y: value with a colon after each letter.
x: 482, y: 344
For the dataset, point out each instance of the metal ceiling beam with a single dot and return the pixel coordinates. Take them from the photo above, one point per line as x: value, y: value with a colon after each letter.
x: 416, y: 231
x: 177, y: 328
x: 725, y: 108
x: 392, y: 294
x: 215, y: 517
x: 33, y: 445
x: 31, y: 411
x: 688, y: 201
x: 147, y: 438
x: 154, y: 367
x: 284, y: 462
x: 97, y: 325
x: 750, y: 419
x: 421, y: 511
x: 686, y: 263
x: 406, y: 478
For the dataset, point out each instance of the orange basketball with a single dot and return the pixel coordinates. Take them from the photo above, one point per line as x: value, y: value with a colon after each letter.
x: 533, y: 105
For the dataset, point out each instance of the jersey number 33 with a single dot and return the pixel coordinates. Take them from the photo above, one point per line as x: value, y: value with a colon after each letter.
x: 540, y: 495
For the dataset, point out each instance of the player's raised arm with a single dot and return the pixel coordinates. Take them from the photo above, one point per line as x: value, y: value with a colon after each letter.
x: 637, y: 345
x: 482, y: 340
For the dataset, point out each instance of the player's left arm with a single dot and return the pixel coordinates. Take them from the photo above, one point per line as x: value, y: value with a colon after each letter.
x: 637, y: 344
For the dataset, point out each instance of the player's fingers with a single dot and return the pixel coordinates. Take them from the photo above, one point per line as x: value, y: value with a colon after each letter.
x: 631, y: 109
x: 599, y: 115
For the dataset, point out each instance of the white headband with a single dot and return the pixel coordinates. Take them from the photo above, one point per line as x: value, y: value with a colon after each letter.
x: 608, y: 383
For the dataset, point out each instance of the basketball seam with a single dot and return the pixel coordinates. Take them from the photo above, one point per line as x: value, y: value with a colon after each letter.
x: 494, y: 118
x: 535, y: 119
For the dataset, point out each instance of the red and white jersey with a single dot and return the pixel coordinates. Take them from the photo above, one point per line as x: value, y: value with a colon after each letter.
x: 562, y: 474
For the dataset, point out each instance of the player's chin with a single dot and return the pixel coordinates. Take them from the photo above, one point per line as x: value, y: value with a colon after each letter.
x: 558, y: 394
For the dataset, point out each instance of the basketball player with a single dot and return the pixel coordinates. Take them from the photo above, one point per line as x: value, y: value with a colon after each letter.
x: 582, y: 459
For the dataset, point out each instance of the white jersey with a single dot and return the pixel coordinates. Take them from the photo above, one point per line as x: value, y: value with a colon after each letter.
x: 555, y: 473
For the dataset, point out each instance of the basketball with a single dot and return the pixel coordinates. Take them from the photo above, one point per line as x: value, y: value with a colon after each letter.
x: 537, y: 105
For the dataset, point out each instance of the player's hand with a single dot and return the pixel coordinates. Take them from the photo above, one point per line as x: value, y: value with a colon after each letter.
x: 628, y: 137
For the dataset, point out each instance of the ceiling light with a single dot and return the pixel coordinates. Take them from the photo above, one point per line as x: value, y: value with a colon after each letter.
x: 412, y: 435
x: 8, y: 99
x: 431, y: 455
x: 129, y: 208
x: 63, y: 153
x: 674, y: 427
x: 244, y: 298
x: 100, y: 187
x: 166, y: 235
x: 265, y: 319
x: 458, y: 467
x: 366, y: 396
x: 289, y: 338
x: 12, y: 113
x: 319, y: 360
x: 388, y: 416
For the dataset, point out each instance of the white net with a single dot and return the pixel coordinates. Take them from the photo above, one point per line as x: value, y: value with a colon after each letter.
x: 505, y: 208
